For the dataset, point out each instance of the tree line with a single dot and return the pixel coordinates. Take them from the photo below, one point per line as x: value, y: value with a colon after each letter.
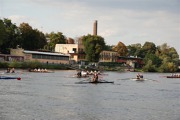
x: 24, y: 36
x: 161, y: 58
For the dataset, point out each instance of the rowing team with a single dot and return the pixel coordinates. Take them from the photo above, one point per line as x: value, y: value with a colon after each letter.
x: 86, y: 73
x: 10, y: 70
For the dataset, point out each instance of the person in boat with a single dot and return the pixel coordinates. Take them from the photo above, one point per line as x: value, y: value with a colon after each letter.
x: 12, y: 70
x: 79, y: 74
x: 95, y: 77
x: 39, y: 70
x: 84, y: 73
x: 45, y: 70
x: 8, y: 70
x: 139, y: 76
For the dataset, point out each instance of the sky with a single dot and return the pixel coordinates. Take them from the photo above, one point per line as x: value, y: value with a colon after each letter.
x: 127, y: 21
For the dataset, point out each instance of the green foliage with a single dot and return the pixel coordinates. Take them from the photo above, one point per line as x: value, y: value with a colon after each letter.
x: 32, y: 65
x: 155, y: 59
x: 32, y: 39
x: 108, y: 47
x: 161, y: 58
x: 4, y: 64
x: 111, y: 64
x: 149, y: 47
x: 55, y: 38
x: 149, y: 67
x: 168, y: 66
x: 2, y: 33
x: 10, y: 35
x: 135, y: 50
x: 93, y: 46
x: 15, y: 64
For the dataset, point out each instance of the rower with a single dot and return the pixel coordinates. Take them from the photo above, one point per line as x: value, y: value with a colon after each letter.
x: 139, y: 76
x: 79, y: 74
x: 95, y: 77
x: 12, y: 70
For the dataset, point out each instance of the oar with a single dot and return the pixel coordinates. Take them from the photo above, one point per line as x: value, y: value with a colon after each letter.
x: 85, y: 80
x: 18, y: 78
x: 125, y: 79
x: 152, y: 79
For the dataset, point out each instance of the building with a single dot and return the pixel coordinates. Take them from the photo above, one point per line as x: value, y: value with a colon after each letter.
x: 76, y: 51
x: 95, y: 26
x: 108, y: 56
x: 133, y: 62
x: 11, y: 58
x: 43, y: 57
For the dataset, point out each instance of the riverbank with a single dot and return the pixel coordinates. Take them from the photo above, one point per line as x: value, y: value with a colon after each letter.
x: 36, y: 64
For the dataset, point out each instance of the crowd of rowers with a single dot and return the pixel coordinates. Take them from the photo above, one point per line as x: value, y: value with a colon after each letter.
x: 38, y: 70
x: 177, y: 75
x: 10, y: 70
x: 87, y: 73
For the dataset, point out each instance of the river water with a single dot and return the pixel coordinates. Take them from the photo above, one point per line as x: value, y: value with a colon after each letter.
x: 56, y: 96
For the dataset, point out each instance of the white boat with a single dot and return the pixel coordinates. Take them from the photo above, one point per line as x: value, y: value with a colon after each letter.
x: 138, y: 79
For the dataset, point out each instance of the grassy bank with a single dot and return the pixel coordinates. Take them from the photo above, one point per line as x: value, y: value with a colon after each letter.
x: 32, y: 65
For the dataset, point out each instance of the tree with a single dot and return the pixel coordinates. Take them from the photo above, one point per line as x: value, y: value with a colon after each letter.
x: 167, y: 66
x: 2, y: 32
x: 134, y: 49
x: 148, y: 47
x: 121, y: 49
x: 41, y: 39
x: 10, y: 35
x: 149, y: 67
x: 55, y: 38
x: 108, y: 47
x: 155, y: 59
x: 93, y: 46
x: 32, y: 39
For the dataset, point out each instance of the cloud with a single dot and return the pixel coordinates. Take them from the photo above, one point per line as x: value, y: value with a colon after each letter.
x: 18, y: 19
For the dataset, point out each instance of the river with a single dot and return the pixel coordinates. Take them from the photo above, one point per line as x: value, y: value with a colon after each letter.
x: 56, y: 96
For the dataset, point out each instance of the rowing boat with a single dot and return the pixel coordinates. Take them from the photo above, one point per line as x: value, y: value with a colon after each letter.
x: 173, y: 76
x: 42, y: 71
x: 5, y: 77
x: 138, y: 79
x: 89, y: 82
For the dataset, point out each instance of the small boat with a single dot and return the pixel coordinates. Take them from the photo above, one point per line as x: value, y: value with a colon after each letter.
x: 173, y: 76
x: 5, y: 77
x: 42, y: 71
x: 90, y: 82
x: 138, y: 79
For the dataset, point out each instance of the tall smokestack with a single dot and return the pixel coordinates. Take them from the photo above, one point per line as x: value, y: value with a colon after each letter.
x: 95, y: 28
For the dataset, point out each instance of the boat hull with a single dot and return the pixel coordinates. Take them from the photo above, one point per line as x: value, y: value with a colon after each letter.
x: 173, y: 76
x: 89, y: 82
x: 4, y: 77
x: 141, y: 79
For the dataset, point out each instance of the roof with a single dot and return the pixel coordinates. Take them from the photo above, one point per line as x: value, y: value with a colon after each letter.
x: 45, y: 53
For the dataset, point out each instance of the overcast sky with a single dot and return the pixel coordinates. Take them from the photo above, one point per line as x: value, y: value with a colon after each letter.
x: 128, y: 21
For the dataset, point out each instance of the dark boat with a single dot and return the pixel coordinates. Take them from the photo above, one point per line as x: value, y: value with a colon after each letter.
x: 173, y: 76
x: 5, y: 77
x: 89, y: 82
x: 138, y: 79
